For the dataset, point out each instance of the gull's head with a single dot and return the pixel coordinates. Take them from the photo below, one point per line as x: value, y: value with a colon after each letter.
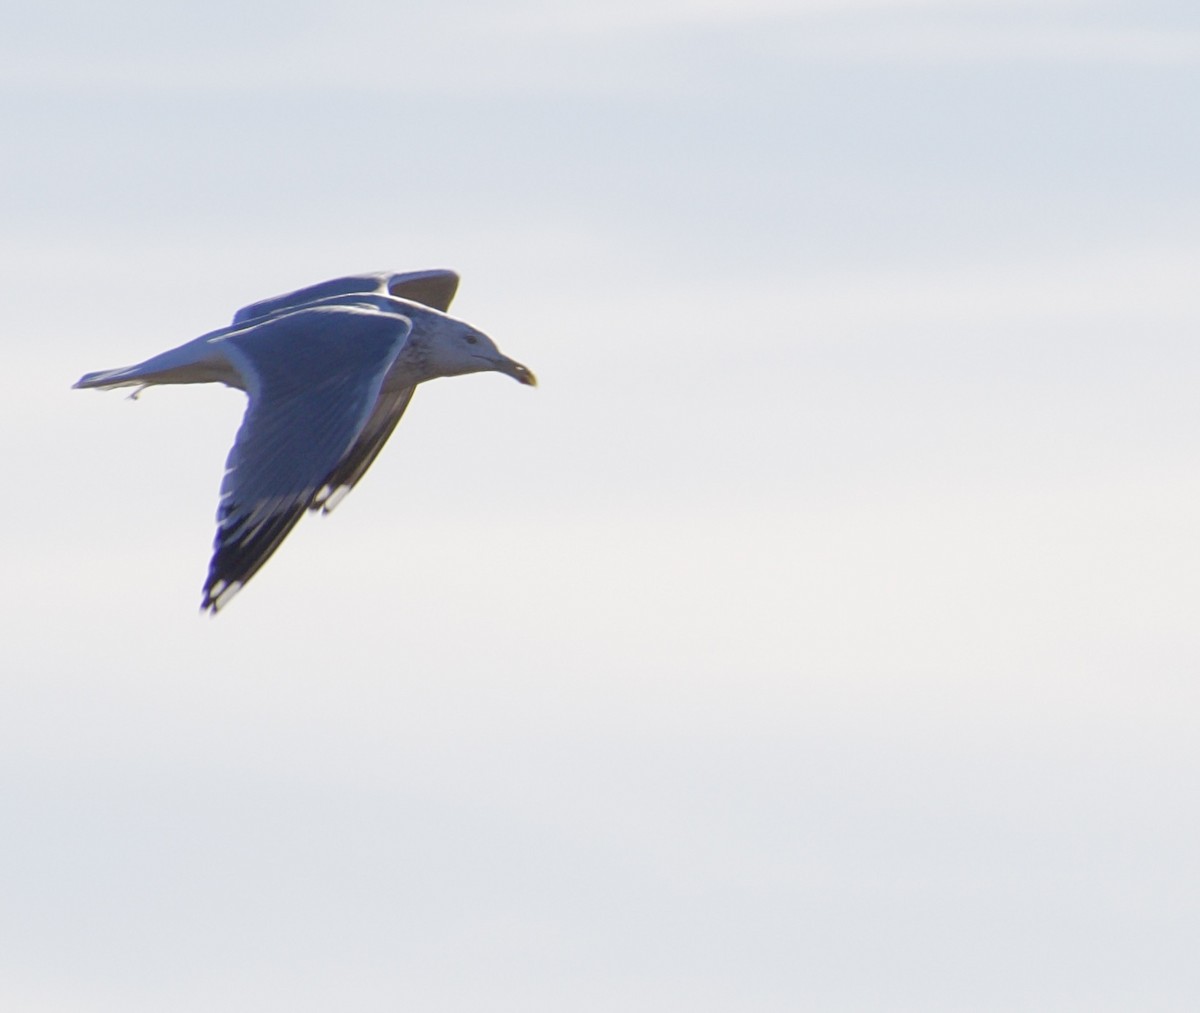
x: 456, y: 348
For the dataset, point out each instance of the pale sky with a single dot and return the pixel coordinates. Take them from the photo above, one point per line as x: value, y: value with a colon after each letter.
x: 821, y: 633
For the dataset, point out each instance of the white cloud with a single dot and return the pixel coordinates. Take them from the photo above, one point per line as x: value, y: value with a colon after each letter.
x: 584, y: 48
x: 1151, y: 284
x: 949, y: 43
x: 633, y: 15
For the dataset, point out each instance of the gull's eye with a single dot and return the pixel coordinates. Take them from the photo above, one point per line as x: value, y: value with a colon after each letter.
x: 471, y: 339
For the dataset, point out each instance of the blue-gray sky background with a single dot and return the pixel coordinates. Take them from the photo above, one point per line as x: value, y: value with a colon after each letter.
x: 820, y: 635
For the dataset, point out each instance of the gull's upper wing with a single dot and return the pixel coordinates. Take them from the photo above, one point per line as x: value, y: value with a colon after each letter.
x: 434, y: 288
x: 313, y: 377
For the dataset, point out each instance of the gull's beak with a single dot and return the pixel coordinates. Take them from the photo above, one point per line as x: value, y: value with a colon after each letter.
x: 514, y: 369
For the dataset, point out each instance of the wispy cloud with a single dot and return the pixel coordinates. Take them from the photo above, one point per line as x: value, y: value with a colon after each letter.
x: 622, y: 47
x: 958, y: 43
x: 632, y: 15
x: 1147, y: 284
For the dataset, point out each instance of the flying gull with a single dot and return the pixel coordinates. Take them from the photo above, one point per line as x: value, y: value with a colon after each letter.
x: 328, y: 370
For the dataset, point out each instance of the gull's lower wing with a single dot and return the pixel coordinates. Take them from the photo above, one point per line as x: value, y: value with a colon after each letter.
x: 313, y: 378
x: 389, y: 407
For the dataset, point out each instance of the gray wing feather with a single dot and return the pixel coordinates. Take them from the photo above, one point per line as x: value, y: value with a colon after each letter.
x: 313, y: 378
x: 354, y: 464
x: 434, y: 288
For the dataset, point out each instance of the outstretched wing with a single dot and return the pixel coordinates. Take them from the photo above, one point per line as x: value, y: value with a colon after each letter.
x: 313, y: 378
x: 434, y: 288
x: 371, y: 438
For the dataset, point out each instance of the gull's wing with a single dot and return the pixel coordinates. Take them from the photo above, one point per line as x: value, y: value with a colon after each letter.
x: 313, y: 378
x: 434, y: 288
x: 354, y: 463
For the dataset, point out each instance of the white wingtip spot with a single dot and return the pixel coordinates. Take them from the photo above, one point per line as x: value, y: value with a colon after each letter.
x: 335, y: 497
x: 221, y: 598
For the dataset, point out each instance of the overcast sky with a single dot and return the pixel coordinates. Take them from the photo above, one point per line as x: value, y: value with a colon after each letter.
x: 820, y: 635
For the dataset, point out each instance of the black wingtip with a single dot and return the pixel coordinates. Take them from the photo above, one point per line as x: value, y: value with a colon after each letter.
x: 240, y: 555
x: 218, y: 594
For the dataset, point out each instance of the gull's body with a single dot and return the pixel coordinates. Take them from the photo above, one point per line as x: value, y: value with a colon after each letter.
x: 329, y: 370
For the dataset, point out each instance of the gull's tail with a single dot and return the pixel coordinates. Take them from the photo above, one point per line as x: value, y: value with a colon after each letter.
x: 199, y: 361
x: 107, y: 379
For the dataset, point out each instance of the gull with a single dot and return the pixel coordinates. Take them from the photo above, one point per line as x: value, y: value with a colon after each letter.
x: 328, y: 371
